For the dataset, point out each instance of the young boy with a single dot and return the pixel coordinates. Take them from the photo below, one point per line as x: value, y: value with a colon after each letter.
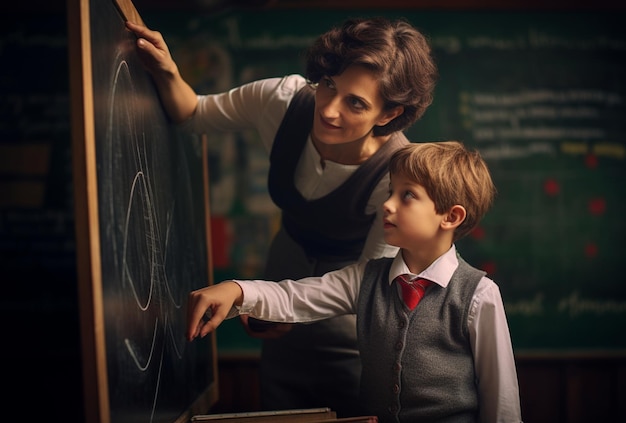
x: 445, y: 358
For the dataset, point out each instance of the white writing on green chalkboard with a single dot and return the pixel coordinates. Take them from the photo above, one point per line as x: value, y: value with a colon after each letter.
x: 265, y: 41
x: 604, y: 149
x: 509, y: 151
x: 538, y: 39
x: 497, y: 43
x: 572, y: 305
x: 535, y: 39
x: 545, y: 117
x: 530, y: 307
x: 525, y: 97
x: 575, y: 305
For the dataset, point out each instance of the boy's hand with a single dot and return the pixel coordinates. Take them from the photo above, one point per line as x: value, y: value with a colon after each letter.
x: 208, y: 307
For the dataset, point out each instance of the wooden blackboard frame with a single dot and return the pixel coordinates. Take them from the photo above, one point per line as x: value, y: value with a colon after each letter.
x: 97, y: 403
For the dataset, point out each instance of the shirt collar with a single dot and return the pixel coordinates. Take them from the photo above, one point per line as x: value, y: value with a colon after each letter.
x: 439, y: 272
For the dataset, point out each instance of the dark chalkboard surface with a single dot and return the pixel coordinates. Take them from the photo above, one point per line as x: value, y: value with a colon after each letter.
x: 541, y: 94
x: 142, y: 233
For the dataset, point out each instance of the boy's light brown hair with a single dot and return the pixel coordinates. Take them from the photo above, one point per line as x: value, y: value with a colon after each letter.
x: 451, y: 174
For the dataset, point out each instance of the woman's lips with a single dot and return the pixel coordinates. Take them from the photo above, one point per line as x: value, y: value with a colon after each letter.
x: 327, y: 125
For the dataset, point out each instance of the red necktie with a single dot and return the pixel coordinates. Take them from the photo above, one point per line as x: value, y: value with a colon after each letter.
x: 412, y: 292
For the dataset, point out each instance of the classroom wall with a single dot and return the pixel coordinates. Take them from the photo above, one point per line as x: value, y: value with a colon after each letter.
x: 39, y: 305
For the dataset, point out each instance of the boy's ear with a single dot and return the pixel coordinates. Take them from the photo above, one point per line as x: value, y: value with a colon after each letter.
x: 454, y: 217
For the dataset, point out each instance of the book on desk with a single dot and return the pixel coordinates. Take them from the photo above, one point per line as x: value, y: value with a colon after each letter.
x: 307, y: 415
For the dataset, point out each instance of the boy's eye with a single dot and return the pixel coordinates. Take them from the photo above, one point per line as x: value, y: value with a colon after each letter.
x: 407, y: 195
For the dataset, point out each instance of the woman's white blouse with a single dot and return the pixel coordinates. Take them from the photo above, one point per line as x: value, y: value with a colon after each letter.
x: 261, y: 105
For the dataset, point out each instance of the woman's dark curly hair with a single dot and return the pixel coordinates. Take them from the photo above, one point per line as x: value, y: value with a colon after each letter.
x: 397, y: 53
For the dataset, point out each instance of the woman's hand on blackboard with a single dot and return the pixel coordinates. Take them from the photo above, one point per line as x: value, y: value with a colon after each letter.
x: 208, y: 307
x: 177, y: 96
x: 153, y: 51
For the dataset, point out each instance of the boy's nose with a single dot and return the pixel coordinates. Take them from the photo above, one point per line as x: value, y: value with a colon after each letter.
x: 387, y: 207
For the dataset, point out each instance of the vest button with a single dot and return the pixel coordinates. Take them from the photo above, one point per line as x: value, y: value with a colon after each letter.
x: 396, y: 388
x: 399, y: 345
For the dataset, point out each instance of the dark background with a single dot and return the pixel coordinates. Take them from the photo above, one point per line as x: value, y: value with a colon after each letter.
x: 557, y: 229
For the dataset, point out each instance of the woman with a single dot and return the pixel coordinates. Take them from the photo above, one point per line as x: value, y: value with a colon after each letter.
x: 329, y: 133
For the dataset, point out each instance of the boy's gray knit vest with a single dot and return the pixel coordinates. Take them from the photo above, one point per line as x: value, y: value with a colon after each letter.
x: 335, y: 226
x: 417, y: 365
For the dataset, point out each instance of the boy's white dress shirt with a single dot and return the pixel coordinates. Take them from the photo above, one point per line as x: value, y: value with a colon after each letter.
x: 335, y: 293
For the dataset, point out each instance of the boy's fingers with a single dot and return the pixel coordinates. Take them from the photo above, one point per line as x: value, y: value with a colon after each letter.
x: 211, y: 324
x: 206, y: 324
x: 195, y: 313
x: 203, y: 316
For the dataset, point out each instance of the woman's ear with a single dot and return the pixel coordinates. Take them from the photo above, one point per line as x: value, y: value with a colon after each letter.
x: 454, y: 217
x: 390, y: 115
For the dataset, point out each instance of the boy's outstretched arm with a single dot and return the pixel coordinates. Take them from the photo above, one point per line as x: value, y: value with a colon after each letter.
x: 217, y: 300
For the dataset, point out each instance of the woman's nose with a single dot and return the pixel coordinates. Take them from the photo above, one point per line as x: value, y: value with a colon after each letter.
x: 330, y: 109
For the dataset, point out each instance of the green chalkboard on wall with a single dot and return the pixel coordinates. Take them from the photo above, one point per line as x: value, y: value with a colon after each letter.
x: 540, y: 94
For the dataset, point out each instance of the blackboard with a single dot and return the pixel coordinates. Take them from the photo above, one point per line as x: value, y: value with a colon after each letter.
x: 143, y: 240
x: 540, y: 94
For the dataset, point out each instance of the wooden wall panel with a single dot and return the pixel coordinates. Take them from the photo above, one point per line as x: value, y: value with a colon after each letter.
x: 552, y: 390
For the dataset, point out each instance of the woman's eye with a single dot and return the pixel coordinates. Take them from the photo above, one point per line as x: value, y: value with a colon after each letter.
x: 357, y: 104
x: 329, y: 83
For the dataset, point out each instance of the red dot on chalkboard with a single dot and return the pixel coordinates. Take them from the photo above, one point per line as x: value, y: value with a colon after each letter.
x: 591, y: 161
x: 489, y: 267
x: 597, y: 206
x: 551, y: 187
x: 478, y: 233
x: 591, y: 250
